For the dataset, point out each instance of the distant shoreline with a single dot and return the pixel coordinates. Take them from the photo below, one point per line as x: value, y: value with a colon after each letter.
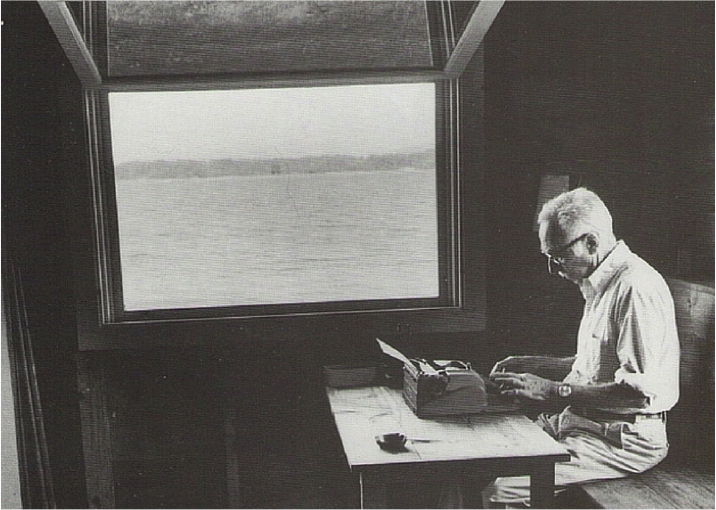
x: 173, y: 169
x: 268, y: 176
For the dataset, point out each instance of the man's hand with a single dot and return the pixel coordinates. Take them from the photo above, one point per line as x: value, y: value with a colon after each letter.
x: 518, y: 364
x: 549, y: 367
x: 525, y: 385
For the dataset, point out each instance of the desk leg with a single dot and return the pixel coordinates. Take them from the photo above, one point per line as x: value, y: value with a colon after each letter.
x: 542, y: 486
x: 373, y: 493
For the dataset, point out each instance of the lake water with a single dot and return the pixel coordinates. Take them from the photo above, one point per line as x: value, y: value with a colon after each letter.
x: 297, y: 238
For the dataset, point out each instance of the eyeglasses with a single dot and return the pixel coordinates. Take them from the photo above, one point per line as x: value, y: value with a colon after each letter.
x: 555, y: 260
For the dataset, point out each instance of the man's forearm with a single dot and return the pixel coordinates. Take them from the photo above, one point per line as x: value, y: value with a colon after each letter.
x: 534, y: 387
x: 605, y: 395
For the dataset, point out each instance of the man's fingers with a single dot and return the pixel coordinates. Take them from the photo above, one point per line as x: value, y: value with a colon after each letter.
x: 509, y: 381
x: 498, y: 368
x: 504, y: 365
x: 506, y: 376
x: 515, y: 393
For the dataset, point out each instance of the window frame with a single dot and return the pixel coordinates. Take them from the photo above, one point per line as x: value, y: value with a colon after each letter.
x: 108, y: 247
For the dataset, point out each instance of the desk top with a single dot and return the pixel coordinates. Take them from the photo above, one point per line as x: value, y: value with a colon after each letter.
x: 363, y: 413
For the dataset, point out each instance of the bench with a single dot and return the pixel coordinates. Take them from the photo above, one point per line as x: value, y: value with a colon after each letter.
x: 685, y: 479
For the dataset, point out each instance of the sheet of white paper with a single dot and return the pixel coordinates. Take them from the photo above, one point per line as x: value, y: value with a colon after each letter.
x: 392, y: 352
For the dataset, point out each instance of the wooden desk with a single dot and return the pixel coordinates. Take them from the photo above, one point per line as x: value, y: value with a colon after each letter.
x: 493, y: 444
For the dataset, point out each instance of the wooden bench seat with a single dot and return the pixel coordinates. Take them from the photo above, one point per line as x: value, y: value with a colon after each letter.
x: 686, y: 478
x: 667, y: 486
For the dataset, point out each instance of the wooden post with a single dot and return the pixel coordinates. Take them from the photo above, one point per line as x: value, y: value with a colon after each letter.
x: 96, y: 434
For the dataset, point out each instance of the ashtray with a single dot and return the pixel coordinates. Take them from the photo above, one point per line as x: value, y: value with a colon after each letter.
x: 392, y: 442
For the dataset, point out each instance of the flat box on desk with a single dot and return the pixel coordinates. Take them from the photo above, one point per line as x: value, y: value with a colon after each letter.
x: 351, y: 376
x: 443, y: 388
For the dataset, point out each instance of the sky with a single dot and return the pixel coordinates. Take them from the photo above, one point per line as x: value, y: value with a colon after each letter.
x: 260, y: 123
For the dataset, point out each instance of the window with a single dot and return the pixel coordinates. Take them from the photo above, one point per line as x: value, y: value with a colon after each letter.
x: 261, y: 159
x: 276, y: 196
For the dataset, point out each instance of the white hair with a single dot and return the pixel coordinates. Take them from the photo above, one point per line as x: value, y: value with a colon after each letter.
x: 578, y: 210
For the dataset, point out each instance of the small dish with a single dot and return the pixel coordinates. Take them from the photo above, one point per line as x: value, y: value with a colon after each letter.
x: 392, y: 442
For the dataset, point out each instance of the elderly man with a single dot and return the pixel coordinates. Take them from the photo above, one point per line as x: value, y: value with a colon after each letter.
x: 625, y: 374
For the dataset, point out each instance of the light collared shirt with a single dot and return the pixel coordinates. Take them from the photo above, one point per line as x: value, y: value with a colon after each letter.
x: 628, y: 331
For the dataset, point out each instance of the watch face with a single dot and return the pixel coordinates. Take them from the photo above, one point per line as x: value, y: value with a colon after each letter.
x: 564, y: 390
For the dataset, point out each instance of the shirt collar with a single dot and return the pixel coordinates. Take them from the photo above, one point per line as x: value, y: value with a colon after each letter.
x: 596, y: 282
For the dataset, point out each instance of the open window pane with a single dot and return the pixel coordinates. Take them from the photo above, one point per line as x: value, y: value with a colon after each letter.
x: 181, y: 37
x: 276, y: 196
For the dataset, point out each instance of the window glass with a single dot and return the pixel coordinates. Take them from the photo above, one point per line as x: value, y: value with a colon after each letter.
x: 173, y: 38
x: 273, y: 196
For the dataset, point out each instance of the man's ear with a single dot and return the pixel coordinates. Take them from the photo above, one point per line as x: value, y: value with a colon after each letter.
x: 592, y: 243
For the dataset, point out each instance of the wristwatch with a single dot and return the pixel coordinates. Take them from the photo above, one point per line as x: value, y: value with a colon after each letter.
x: 564, y: 390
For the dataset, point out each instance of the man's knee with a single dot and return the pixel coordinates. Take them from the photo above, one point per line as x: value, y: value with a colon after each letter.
x: 507, y: 492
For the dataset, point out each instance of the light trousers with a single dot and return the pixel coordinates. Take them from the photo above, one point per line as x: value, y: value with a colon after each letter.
x: 599, y: 450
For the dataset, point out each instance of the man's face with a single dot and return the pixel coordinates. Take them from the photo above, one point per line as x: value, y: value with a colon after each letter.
x: 567, y: 255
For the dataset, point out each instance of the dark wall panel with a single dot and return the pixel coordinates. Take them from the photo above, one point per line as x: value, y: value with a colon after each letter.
x: 619, y: 96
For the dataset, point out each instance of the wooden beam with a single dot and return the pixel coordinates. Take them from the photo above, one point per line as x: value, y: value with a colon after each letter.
x: 480, y: 22
x: 308, y: 79
x: 72, y: 41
